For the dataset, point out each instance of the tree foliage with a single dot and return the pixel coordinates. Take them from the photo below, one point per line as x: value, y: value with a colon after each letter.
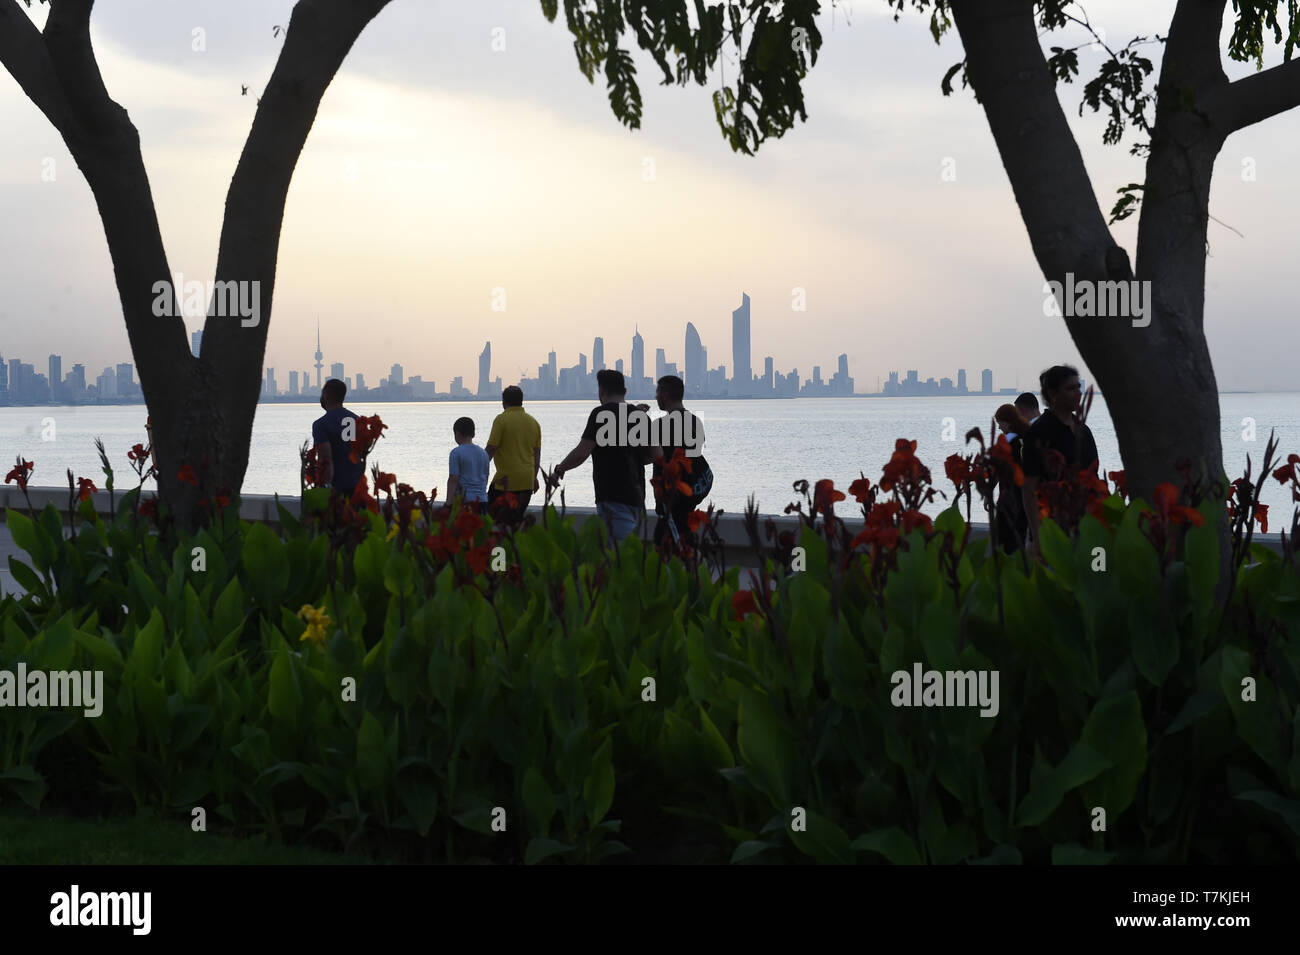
x: 774, y: 45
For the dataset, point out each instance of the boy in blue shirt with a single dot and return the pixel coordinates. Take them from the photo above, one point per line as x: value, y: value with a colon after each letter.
x: 468, y: 466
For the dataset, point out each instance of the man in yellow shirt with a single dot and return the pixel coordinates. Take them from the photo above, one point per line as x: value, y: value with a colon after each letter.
x: 515, y: 445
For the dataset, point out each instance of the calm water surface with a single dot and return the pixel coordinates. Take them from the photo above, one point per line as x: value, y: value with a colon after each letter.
x: 757, y: 447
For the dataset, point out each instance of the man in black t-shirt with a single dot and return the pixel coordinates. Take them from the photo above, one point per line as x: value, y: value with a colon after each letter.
x: 1057, y: 430
x: 617, y: 464
x: 678, y: 429
x: 332, y: 435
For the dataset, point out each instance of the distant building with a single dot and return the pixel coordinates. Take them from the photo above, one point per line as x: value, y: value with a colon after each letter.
x: 319, y: 356
x: 395, y: 376
x: 961, y: 381
x: 485, y: 371
x: 293, y: 383
x: 740, y: 372
x: 56, y: 377
x: 361, y: 381
x: 336, y: 371
x: 271, y: 389
x: 696, y: 364
x: 106, y: 383
x: 75, y: 382
x: 598, y: 355
x: 125, y: 380
x: 637, y: 385
x: 986, y: 381
x: 196, y: 343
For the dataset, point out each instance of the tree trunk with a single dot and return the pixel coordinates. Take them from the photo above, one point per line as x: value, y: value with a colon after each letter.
x: 1158, y: 380
x: 202, y: 409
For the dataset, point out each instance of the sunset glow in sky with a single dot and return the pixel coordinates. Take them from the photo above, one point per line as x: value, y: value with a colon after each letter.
x: 439, y: 170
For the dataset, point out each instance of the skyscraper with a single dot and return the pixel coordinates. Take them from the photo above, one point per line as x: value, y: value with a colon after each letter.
x: 552, y: 374
x: 320, y: 364
x: 56, y: 376
x: 395, y: 376
x: 485, y: 371
x: 336, y: 370
x: 768, y: 372
x: 598, y: 354
x: 271, y: 389
x: 293, y: 383
x: 125, y: 379
x: 76, y: 381
x: 196, y: 342
x: 696, y: 367
x: 661, y: 361
x: 740, y: 372
x: 638, y: 363
x: 986, y: 381
x: 961, y: 381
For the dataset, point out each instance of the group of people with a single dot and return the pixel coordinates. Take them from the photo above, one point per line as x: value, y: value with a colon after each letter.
x: 619, y: 457
x: 514, y: 448
x: 1032, y: 435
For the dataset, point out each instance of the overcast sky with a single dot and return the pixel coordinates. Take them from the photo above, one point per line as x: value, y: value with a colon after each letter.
x: 440, y: 169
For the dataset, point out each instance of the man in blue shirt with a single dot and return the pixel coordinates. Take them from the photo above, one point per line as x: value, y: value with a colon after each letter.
x: 332, y: 434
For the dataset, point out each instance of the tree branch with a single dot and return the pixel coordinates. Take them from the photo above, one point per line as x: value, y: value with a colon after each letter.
x: 25, y: 57
x: 318, y: 39
x: 67, y: 37
x: 1261, y: 96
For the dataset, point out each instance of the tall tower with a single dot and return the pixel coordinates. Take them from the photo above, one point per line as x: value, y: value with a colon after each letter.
x: 740, y: 373
x: 319, y: 363
x: 597, y: 354
x: 638, y: 362
x: 961, y: 381
x: 485, y: 371
x: 696, y: 372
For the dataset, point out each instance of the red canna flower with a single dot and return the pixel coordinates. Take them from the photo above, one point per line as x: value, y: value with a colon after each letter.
x: 913, y: 520
x: 1169, y: 511
x: 85, y: 488
x: 697, y: 520
x: 825, y: 496
x: 478, y: 559
x: 958, y: 470
x: 137, y: 453
x: 369, y: 431
x: 186, y: 475
x: 742, y: 604
x: 1261, y: 515
x: 223, y: 502
x: 149, y: 507
x: 861, y: 490
x: 20, y: 473
x: 467, y: 524
x: 384, y: 482
x: 1002, y: 453
x: 1117, y: 478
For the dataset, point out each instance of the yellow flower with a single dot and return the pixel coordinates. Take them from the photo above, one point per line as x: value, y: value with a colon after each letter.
x: 318, y: 624
x: 392, y: 531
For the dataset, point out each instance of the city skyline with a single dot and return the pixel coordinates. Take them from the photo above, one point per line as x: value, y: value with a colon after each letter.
x: 833, y: 226
x: 20, y: 383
